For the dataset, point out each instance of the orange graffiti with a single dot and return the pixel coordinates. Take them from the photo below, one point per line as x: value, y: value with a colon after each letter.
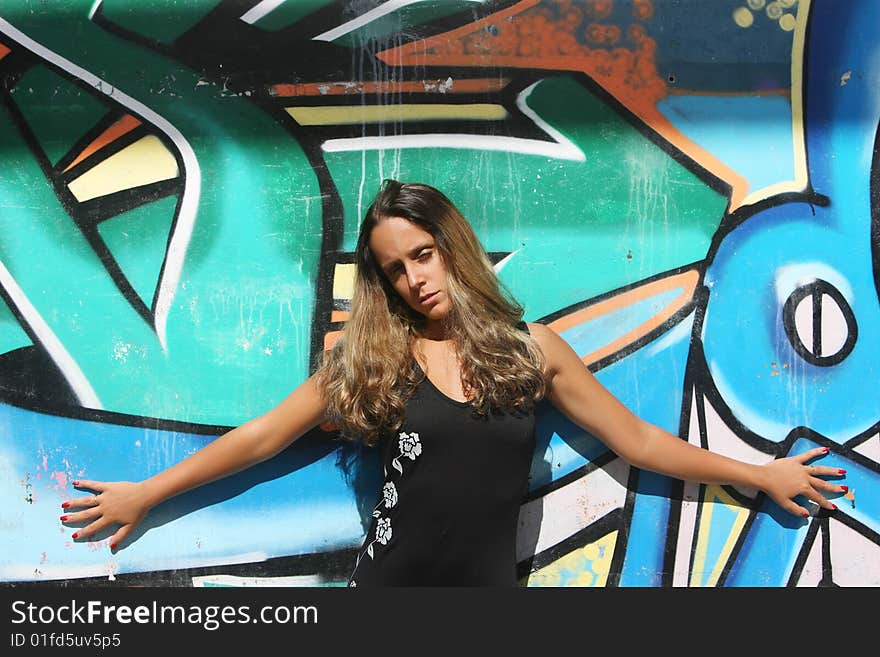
x: 559, y: 35
x: 124, y: 125
x: 643, y: 10
x: 532, y: 34
x: 331, y: 338
x: 600, y: 8
x: 687, y: 281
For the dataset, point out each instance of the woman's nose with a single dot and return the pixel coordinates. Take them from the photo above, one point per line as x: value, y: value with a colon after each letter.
x: 413, y: 276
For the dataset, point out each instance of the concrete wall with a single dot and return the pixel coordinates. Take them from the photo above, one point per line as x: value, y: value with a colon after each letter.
x: 686, y: 190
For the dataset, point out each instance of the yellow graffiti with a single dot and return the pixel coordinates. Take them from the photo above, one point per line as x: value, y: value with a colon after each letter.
x: 586, y: 566
x: 343, y: 281
x: 357, y: 114
x: 145, y: 161
x: 712, y: 496
x: 743, y: 17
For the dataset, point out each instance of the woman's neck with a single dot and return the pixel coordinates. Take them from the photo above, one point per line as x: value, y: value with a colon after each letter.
x: 433, y: 332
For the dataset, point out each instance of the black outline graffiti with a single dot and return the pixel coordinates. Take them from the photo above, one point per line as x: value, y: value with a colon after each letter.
x: 813, y: 353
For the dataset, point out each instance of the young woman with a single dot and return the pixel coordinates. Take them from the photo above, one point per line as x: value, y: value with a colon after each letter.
x: 436, y: 366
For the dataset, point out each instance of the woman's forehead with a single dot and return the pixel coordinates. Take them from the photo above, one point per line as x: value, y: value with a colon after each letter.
x: 398, y: 236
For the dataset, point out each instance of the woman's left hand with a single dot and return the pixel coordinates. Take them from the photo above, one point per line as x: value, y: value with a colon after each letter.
x: 786, y: 478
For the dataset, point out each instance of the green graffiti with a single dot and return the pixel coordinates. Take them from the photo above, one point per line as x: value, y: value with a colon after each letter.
x: 578, y: 229
x: 239, y: 327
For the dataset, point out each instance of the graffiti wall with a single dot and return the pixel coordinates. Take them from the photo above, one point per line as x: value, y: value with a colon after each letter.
x: 688, y: 192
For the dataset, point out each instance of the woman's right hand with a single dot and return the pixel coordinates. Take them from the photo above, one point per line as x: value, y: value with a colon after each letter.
x: 117, y: 502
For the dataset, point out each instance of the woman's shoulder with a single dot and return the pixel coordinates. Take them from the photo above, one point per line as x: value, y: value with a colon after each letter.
x: 548, y: 340
x: 537, y: 331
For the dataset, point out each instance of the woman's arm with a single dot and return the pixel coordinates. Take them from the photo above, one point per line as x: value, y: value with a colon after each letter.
x: 127, y: 503
x: 583, y: 399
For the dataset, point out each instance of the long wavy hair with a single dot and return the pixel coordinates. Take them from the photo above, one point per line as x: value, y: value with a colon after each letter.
x: 369, y: 373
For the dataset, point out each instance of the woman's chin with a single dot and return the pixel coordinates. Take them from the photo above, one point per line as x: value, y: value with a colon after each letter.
x: 436, y: 313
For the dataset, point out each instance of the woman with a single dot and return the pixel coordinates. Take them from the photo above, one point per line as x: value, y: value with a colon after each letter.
x: 437, y: 366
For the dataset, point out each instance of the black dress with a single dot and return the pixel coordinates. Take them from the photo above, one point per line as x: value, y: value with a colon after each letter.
x: 448, y: 509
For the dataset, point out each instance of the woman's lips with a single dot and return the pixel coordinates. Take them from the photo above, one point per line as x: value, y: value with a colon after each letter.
x: 428, y: 297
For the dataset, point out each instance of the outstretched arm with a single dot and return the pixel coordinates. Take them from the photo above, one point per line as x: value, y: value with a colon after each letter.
x: 127, y: 503
x: 583, y: 399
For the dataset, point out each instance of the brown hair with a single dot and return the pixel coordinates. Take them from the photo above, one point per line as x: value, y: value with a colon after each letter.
x: 370, y: 371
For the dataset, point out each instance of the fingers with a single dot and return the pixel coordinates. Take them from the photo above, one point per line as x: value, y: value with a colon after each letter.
x: 807, y: 483
x: 91, y: 528
x: 825, y: 471
x: 793, y: 508
x: 818, y: 470
x: 100, y: 524
x: 88, y: 500
x: 91, y: 516
x: 82, y: 502
x: 821, y: 500
x: 830, y: 486
x: 89, y: 484
x: 95, y: 526
x: 811, y: 454
x: 120, y: 535
x: 817, y: 484
x: 813, y: 493
x: 111, y: 506
x: 91, y: 512
x: 81, y: 516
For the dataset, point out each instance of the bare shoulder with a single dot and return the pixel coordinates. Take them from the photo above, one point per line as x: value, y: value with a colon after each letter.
x: 546, y: 337
x: 553, y: 347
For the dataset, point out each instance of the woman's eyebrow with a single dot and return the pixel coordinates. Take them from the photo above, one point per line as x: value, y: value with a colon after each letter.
x: 413, y: 252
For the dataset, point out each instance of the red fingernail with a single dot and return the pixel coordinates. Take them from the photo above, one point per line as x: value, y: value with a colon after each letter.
x: 63, y: 518
x: 834, y: 506
x: 825, y: 450
x: 76, y: 535
x: 113, y: 545
x: 805, y: 514
x: 844, y: 488
x: 65, y: 505
x: 74, y: 483
x: 841, y: 472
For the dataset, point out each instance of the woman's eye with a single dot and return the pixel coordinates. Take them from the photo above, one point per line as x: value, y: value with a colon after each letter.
x: 424, y: 255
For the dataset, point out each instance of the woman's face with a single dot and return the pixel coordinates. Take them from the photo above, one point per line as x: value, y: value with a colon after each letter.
x: 408, y: 256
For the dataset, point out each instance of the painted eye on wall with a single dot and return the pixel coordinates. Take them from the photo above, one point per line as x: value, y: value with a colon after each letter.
x: 820, y: 323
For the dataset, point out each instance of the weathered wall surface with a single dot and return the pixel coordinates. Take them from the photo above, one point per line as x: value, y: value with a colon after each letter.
x: 687, y: 191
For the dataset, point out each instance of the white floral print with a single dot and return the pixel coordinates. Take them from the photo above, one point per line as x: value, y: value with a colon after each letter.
x: 389, y: 495
x: 383, y: 530
x: 382, y: 536
x: 409, y: 446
